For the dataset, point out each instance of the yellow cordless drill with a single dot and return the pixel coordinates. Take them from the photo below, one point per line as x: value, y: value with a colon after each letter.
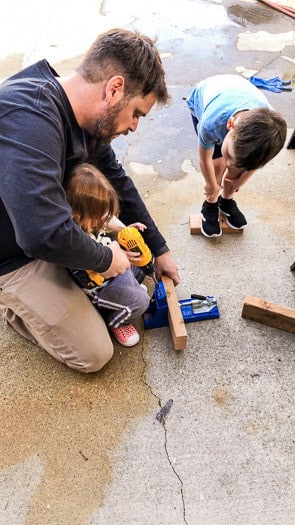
x: 131, y: 239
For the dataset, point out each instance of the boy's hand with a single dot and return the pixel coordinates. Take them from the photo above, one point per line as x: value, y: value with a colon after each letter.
x: 231, y: 185
x: 211, y: 191
x: 233, y: 180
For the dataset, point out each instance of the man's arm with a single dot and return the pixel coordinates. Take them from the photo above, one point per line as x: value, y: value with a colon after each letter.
x: 133, y: 210
x: 33, y: 196
x: 132, y: 207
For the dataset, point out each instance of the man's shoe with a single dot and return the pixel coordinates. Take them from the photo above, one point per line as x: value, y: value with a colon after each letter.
x: 126, y: 335
x: 233, y: 216
x: 210, y: 226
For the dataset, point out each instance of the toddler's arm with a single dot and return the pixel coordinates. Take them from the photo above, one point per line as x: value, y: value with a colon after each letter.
x: 139, y: 226
x: 115, y: 225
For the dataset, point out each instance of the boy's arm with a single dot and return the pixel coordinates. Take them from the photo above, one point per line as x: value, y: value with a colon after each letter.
x: 211, y: 188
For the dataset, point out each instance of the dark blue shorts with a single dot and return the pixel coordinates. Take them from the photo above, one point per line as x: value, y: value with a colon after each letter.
x: 217, y: 149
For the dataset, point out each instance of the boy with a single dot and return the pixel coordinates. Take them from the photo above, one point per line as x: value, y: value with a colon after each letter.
x: 238, y: 132
x: 95, y: 207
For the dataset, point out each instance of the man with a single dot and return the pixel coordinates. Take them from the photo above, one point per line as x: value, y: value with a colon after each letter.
x: 48, y: 125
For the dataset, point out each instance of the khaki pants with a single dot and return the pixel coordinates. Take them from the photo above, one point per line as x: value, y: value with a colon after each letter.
x: 42, y: 303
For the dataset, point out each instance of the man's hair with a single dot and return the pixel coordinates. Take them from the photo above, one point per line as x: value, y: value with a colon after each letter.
x: 130, y: 54
x: 258, y: 136
x: 91, y: 195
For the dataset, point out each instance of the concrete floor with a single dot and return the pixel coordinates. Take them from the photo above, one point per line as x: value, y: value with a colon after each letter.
x: 92, y: 450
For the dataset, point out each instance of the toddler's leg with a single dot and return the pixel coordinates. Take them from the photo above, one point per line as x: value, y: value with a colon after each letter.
x: 124, y: 299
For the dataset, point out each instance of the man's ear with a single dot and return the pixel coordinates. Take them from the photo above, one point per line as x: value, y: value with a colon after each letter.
x: 230, y: 123
x: 114, y: 90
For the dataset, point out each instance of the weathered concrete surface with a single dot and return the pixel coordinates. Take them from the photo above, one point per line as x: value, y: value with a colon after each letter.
x: 79, y: 450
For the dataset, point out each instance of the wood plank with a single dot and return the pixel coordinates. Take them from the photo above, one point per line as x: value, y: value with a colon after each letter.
x: 269, y: 313
x: 195, y: 225
x: 176, y: 322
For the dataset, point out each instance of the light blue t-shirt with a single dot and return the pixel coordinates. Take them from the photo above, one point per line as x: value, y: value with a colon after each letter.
x: 218, y: 98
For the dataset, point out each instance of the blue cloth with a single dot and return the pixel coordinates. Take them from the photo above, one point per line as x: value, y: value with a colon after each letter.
x: 274, y: 84
x: 218, y: 98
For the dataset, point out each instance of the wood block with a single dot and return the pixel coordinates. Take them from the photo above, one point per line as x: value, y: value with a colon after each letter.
x: 176, y: 322
x: 195, y: 225
x: 269, y: 313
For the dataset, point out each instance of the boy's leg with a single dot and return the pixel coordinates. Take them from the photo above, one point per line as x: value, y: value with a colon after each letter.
x: 42, y: 302
x: 219, y: 168
x: 124, y: 299
x: 227, y: 205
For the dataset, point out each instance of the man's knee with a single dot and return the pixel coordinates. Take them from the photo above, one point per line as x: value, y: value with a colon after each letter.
x: 91, y: 361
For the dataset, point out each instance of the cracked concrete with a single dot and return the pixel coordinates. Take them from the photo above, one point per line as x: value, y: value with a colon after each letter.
x: 199, y: 437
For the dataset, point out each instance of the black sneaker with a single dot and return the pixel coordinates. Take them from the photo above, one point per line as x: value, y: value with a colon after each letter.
x: 210, y: 226
x: 233, y: 216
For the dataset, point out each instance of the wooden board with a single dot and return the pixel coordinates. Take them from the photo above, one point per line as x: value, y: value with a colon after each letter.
x: 269, y: 313
x: 195, y: 225
x: 176, y: 322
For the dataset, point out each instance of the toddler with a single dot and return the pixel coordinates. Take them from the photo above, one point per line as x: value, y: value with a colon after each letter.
x: 95, y: 207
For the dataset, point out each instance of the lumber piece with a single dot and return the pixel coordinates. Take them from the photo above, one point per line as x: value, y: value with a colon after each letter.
x: 175, y: 319
x: 195, y: 225
x: 269, y: 313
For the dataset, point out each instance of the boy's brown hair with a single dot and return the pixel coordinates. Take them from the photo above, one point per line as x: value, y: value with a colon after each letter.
x: 258, y: 136
x: 91, y: 196
x: 131, y: 55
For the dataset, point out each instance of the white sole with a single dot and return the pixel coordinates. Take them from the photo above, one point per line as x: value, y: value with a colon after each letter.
x: 229, y: 224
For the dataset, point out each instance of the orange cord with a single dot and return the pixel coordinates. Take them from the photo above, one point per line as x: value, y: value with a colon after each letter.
x: 290, y: 11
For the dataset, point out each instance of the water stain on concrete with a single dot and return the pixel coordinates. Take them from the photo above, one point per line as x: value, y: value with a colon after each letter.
x: 70, y: 421
x: 220, y: 397
x: 245, y: 14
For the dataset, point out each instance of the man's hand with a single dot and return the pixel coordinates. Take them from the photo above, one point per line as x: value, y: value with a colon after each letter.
x: 120, y: 262
x: 164, y: 264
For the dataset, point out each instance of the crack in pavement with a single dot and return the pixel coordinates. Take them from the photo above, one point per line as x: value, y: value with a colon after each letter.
x: 161, y: 417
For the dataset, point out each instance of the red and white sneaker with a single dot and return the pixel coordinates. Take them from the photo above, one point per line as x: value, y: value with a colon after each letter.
x: 126, y: 335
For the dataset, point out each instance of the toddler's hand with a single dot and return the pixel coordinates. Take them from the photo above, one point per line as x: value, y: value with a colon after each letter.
x: 134, y: 257
x: 139, y: 226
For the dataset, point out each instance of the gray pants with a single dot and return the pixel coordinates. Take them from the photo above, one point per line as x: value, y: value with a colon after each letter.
x: 122, y: 299
x: 43, y: 303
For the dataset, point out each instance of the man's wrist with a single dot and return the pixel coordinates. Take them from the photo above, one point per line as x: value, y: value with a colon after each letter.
x: 161, y: 250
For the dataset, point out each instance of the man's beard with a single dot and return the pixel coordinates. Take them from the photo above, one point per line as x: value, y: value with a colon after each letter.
x: 106, y: 125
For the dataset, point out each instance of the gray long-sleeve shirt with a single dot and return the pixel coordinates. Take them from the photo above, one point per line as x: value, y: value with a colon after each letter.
x: 40, y: 141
